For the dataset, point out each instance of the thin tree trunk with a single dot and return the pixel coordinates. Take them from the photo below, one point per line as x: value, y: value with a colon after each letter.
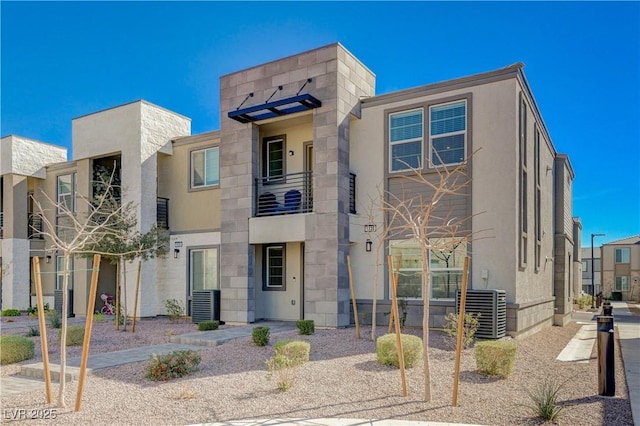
x: 425, y: 324
x: 124, y: 296
x: 63, y: 332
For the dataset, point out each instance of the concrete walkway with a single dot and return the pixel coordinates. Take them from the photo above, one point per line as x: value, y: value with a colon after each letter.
x: 629, y: 336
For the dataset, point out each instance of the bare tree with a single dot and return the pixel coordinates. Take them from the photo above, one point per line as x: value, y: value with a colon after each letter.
x: 71, y: 234
x: 425, y: 218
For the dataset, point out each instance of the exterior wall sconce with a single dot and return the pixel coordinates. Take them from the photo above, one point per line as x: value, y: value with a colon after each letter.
x: 48, y: 259
x: 291, y: 153
x: 368, y: 244
x: 176, y: 252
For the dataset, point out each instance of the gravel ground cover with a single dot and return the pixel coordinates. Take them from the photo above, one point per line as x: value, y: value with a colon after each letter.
x: 342, y: 379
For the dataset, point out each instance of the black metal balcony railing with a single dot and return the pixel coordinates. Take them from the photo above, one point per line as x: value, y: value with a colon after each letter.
x: 284, y: 194
x: 1, y: 223
x: 34, y: 229
x: 352, y: 193
x: 162, y: 213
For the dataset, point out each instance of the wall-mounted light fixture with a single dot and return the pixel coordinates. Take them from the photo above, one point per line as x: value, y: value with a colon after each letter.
x: 49, y: 255
x: 368, y: 244
x: 176, y: 252
x: 48, y: 259
x: 291, y: 153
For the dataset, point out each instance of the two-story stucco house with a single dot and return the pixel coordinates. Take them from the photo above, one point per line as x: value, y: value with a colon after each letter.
x: 263, y: 212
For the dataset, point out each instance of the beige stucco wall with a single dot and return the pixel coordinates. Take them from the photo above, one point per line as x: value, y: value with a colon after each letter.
x: 610, y: 270
x: 28, y: 157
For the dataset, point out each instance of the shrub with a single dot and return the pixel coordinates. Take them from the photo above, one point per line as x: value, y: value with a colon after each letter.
x: 75, y: 335
x: 32, y: 311
x: 208, y: 325
x: 387, y: 351
x: 11, y: 313
x: 54, y: 319
x: 468, y: 331
x: 172, y: 365
x: 99, y: 317
x: 260, y: 336
x: 584, y: 301
x: 306, y: 327
x: 15, y: 349
x: 33, y: 332
x: 495, y: 357
x: 175, y: 309
x: 296, y: 350
x: 289, y: 356
x: 544, y: 400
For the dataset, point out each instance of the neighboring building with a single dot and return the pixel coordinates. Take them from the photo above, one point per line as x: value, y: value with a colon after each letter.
x: 267, y: 209
x: 621, y: 269
x: 587, y: 269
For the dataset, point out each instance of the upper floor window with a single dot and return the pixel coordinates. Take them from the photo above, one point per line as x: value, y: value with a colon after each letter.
x: 448, y: 130
x: 623, y: 255
x: 274, y: 165
x: 66, y: 192
x: 405, y: 140
x: 205, y: 167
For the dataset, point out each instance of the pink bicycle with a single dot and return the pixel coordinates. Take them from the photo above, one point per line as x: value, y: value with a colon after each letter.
x: 108, y: 308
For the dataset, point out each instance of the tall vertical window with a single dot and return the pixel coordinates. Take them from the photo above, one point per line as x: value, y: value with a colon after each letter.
x: 407, y: 258
x: 66, y: 191
x: 538, y: 197
x: 60, y: 272
x: 622, y: 284
x: 448, y: 131
x: 274, y: 267
x: 274, y: 162
x: 205, y: 167
x: 524, y: 213
x: 623, y: 255
x: 405, y: 140
x: 203, y: 269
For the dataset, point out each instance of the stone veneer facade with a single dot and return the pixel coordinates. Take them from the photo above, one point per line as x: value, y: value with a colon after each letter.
x: 339, y: 81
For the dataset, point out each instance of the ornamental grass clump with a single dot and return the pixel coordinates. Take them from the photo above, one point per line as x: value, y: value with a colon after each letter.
x: 15, y: 349
x: 495, y: 358
x: 544, y: 399
x: 75, y: 335
x: 387, y: 350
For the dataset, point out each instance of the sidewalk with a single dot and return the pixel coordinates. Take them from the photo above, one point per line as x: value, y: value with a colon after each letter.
x: 629, y: 337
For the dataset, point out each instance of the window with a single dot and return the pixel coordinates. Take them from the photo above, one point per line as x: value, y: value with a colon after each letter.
x: 622, y: 284
x: 407, y: 258
x: 538, y: 197
x: 273, y: 269
x: 448, y: 129
x: 445, y: 265
x: 274, y: 165
x: 66, y: 191
x: 204, y: 269
x: 585, y: 266
x: 446, y: 268
x: 623, y: 255
x: 405, y: 140
x: 524, y: 207
x: 60, y: 272
x: 205, y: 167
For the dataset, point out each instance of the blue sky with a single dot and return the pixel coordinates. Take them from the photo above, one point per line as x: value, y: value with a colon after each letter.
x: 63, y: 60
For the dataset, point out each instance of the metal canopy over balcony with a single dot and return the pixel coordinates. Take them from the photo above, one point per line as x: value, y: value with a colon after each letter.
x: 277, y: 108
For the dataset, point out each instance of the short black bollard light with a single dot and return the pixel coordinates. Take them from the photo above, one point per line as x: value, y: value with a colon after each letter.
x: 606, y: 366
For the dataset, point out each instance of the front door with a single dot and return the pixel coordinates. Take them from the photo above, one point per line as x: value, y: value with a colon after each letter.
x: 281, y: 281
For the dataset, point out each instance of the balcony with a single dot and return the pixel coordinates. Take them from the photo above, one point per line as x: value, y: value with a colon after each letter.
x: 1, y: 223
x: 284, y: 194
x: 162, y: 212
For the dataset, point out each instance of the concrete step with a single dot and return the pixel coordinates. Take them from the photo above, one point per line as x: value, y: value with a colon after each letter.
x: 14, y: 385
x: 36, y: 371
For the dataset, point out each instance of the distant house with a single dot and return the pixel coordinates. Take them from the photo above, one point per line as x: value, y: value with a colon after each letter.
x: 588, y: 267
x: 621, y: 268
x: 263, y: 212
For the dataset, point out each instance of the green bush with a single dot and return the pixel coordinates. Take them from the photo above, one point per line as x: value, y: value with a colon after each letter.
x: 495, y: 357
x: 32, y: 311
x: 260, y: 336
x: 306, y: 327
x: 544, y: 399
x: 75, y: 335
x: 208, y: 325
x: 295, y: 350
x: 54, y: 319
x: 172, y: 365
x: 387, y: 351
x: 15, y: 349
x: 468, y: 331
x: 584, y: 301
x: 99, y: 317
x: 175, y: 309
x: 11, y: 313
